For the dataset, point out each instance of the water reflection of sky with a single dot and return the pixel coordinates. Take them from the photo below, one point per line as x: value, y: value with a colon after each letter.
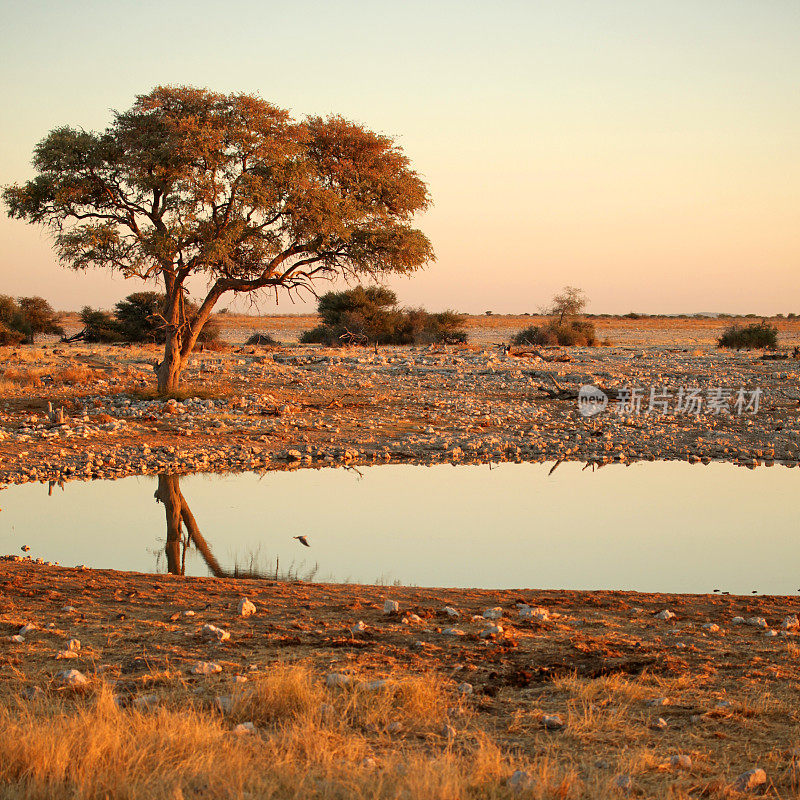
x: 664, y: 526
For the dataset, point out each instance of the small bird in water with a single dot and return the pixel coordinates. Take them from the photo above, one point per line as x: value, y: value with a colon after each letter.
x: 302, y: 540
x: 24, y: 548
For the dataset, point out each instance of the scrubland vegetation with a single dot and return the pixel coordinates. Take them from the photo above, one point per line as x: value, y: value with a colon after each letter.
x: 750, y: 337
x: 371, y: 315
x: 22, y: 319
x: 140, y: 317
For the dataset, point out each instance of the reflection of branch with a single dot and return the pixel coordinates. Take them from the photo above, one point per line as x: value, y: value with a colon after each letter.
x: 199, y: 541
x: 177, y: 511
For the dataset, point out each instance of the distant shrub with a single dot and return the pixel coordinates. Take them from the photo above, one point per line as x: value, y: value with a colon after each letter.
x: 99, y: 326
x: 8, y: 336
x: 263, y: 340
x: 632, y: 315
x: 139, y: 318
x: 29, y: 316
x: 575, y: 333
x: 749, y: 337
x: 371, y: 315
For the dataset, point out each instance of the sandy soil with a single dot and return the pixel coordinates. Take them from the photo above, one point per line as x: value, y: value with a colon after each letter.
x: 631, y: 690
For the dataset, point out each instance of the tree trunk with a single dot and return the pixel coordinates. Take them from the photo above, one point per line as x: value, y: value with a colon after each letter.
x: 169, y: 370
x: 169, y: 494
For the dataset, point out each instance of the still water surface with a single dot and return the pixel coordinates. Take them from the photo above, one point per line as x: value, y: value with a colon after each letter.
x: 663, y: 526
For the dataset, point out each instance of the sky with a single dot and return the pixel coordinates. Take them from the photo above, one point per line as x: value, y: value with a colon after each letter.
x: 647, y: 152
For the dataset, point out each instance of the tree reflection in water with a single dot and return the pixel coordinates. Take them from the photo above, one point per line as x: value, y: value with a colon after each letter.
x: 178, y: 511
x: 180, y: 515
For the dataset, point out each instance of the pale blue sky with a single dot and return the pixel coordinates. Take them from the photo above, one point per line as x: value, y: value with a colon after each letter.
x: 646, y: 151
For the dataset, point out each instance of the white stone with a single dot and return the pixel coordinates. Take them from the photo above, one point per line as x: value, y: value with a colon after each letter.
x: 358, y: 627
x: 666, y: 615
x: 390, y: 606
x: 453, y: 632
x: 681, y: 761
x: 452, y: 612
x: 17, y: 639
x: 73, y: 678
x: 757, y: 622
x: 534, y: 613
x: 244, y: 728
x: 737, y: 621
x: 209, y: 631
x: 790, y: 623
x: 552, y: 722
x: 750, y: 781
x: 246, y: 608
x: 711, y: 627
x: 66, y: 654
x: 493, y: 613
x: 74, y: 644
x: 206, y: 668
x: 465, y: 688
x: 26, y: 629
x: 492, y: 630
x: 658, y: 701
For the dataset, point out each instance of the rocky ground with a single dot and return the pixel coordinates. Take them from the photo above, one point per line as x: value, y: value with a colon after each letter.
x: 88, y: 411
x: 583, y: 695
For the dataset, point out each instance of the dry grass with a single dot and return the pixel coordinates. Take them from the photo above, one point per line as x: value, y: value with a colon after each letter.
x: 84, y: 746
x: 36, y: 376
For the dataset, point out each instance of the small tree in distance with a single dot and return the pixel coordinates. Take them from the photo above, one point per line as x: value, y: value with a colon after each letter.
x: 569, y: 302
x: 227, y: 188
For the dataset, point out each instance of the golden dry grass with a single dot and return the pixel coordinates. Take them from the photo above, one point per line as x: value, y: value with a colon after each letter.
x: 310, y: 741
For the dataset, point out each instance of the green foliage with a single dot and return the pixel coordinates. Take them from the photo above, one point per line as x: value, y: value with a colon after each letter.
x: 749, y: 337
x: 575, y: 333
x: 371, y: 315
x: 139, y: 318
x: 29, y: 316
x: 100, y: 326
x: 8, y: 336
x: 567, y: 303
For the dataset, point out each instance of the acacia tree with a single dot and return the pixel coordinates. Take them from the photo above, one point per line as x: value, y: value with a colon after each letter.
x: 230, y: 188
x: 569, y: 302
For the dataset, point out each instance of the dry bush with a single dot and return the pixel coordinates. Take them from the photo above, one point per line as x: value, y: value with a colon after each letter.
x: 22, y: 377
x: 85, y: 747
x: 74, y: 376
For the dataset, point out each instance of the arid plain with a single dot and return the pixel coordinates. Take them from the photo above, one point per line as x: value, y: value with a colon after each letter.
x: 332, y: 691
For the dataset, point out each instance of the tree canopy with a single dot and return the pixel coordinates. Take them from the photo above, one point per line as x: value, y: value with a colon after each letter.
x: 227, y: 187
